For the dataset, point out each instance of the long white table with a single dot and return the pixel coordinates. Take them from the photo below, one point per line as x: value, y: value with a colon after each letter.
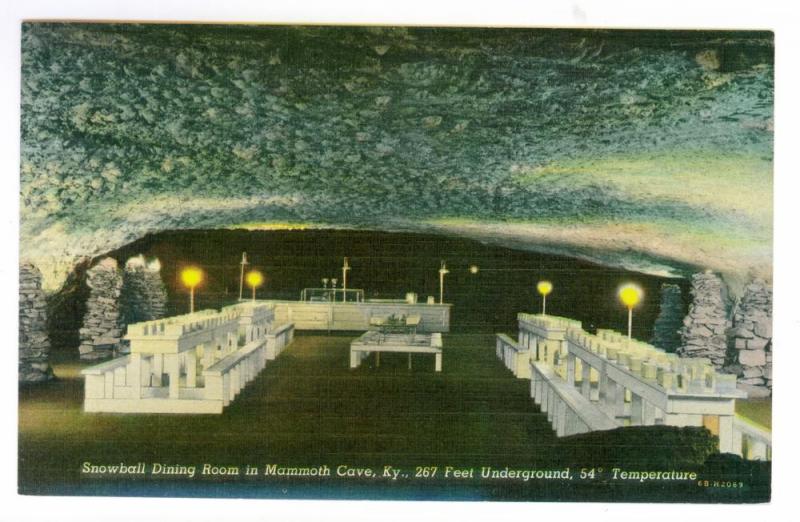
x: 398, y: 343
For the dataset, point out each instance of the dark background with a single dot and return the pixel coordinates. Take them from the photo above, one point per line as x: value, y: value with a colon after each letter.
x: 387, y: 265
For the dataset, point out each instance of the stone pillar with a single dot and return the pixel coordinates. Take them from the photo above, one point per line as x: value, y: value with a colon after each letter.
x: 666, y: 329
x: 703, y: 332
x: 34, y: 344
x: 750, y: 351
x: 100, y: 334
x: 144, y: 296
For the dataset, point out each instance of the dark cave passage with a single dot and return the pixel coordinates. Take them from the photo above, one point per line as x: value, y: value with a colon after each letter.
x: 385, y: 265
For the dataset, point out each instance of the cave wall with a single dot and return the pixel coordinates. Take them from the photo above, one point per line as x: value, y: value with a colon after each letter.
x: 34, y: 342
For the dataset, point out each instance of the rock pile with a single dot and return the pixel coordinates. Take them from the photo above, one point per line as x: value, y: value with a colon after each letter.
x: 666, y: 329
x: 144, y: 296
x: 751, y: 339
x: 34, y: 344
x: 704, y: 328
x: 101, y: 330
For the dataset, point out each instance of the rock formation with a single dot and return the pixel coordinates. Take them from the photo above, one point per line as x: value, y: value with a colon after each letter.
x: 703, y: 332
x: 666, y: 330
x: 101, y: 331
x: 144, y: 296
x: 34, y: 343
x: 750, y: 352
x: 230, y: 126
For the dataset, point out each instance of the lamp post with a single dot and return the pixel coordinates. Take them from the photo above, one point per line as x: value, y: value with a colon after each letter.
x: 191, y: 277
x: 333, y: 285
x: 544, y: 288
x: 442, y: 272
x: 345, y: 269
x: 254, y: 280
x: 241, y: 274
x: 630, y: 295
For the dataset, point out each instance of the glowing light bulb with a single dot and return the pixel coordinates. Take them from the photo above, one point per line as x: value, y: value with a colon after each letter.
x: 191, y: 276
x: 254, y: 278
x: 630, y: 294
x: 544, y: 287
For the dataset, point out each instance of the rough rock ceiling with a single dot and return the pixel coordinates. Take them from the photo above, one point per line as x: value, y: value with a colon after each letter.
x: 647, y: 150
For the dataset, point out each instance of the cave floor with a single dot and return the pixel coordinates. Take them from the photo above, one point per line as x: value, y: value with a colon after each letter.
x: 307, y: 408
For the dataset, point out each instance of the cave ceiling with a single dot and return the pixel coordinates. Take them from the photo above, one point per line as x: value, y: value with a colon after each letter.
x: 649, y: 150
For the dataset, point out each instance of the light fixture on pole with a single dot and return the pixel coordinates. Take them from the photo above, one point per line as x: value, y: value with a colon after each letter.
x: 254, y: 280
x: 345, y: 269
x: 630, y: 295
x: 191, y: 277
x: 241, y: 274
x: 333, y: 285
x: 442, y: 272
x: 544, y: 288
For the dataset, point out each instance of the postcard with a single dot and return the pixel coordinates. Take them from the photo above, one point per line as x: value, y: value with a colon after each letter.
x: 395, y: 262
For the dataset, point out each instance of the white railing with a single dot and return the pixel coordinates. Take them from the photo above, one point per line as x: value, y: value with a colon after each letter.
x: 568, y: 411
x: 226, y: 378
x: 279, y: 339
x: 161, y: 375
x: 751, y: 441
x: 636, y: 384
x: 514, y: 357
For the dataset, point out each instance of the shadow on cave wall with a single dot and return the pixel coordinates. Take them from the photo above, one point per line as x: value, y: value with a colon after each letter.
x: 385, y: 265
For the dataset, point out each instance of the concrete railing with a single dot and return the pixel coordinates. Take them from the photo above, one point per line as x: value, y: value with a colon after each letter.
x: 226, y: 378
x: 351, y: 316
x: 182, y: 324
x: 647, y: 363
x: 278, y: 339
x: 751, y: 441
x: 549, y: 321
x: 109, y: 379
x: 568, y: 411
x: 514, y: 357
x: 586, y: 381
x: 187, y: 364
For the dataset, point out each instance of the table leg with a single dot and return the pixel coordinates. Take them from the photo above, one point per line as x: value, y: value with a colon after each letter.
x: 377, y: 359
x: 409, y: 361
x: 438, y: 362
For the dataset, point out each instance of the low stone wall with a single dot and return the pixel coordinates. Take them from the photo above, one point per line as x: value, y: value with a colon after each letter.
x: 704, y: 328
x: 666, y: 329
x: 34, y: 344
x: 101, y: 331
x: 750, y: 349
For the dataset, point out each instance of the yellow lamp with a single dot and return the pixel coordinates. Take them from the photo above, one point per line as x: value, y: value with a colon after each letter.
x: 254, y: 279
x: 630, y: 294
x: 544, y: 288
x: 191, y: 277
x: 473, y: 269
